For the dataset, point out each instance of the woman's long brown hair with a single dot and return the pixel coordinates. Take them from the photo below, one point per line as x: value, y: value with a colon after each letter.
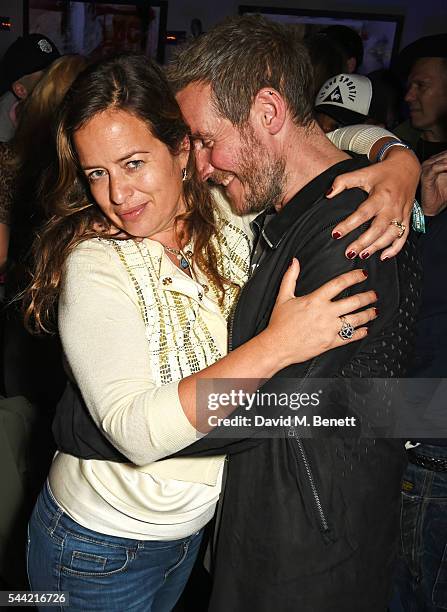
x: 136, y: 85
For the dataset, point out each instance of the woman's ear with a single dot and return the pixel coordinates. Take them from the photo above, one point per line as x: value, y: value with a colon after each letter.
x: 184, y: 150
x: 185, y: 145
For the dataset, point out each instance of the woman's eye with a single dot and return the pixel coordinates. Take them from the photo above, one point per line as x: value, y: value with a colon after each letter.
x: 134, y: 164
x: 95, y: 175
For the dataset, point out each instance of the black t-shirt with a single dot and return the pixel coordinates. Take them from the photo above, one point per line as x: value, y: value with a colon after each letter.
x: 431, y: 344
x: 425, y: 149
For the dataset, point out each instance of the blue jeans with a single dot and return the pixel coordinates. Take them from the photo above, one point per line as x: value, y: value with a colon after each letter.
x: 421, y: 584
x: 102, y: 572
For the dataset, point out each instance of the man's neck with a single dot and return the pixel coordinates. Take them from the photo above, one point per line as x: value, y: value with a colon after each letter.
x: 437, y: 133
x: 308, y: 154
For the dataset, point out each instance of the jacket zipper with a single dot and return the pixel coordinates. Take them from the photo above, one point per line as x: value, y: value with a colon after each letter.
x: 316, y: 497
x: 324, y: 526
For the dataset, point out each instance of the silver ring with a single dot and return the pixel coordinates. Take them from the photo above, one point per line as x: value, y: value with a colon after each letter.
x: 401, y: 227
x: 347, y: 330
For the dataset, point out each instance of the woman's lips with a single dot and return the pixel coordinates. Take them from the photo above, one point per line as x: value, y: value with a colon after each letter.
x: 132, y: 213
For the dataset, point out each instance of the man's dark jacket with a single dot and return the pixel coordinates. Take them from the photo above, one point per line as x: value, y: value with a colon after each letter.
x: 308, y: 525
x: 311, y: 525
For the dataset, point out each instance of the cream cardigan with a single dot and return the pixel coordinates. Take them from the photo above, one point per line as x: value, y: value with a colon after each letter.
x: 132, y: 325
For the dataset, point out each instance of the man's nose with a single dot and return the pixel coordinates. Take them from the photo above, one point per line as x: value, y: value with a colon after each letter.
x: 410, y: 96
x: 203, y: 164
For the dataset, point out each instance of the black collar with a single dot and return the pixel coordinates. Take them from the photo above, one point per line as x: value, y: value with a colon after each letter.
x: 278, y: 224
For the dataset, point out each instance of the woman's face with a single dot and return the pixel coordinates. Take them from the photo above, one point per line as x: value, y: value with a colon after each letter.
x: 134, y: 178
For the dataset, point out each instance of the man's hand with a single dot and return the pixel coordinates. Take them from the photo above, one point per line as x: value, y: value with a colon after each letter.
x: 434, y: 184
x: 391, y: 185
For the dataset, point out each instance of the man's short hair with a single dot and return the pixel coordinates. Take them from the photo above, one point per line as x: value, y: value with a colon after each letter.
x: 239, y: 57
x: 428, y: 46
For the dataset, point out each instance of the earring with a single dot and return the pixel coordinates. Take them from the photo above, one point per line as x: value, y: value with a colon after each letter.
x: 184, y: 174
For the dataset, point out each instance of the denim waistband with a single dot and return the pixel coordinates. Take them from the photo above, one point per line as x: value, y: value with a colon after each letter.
x: 58, y: 523
x: 429, y: 450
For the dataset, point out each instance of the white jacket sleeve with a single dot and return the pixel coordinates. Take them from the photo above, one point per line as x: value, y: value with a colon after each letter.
x: 104, y: 340
x: 359, y: 139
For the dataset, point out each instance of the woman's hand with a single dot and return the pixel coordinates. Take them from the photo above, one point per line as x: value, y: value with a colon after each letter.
x: 391, y: 185
x: 301, y: 328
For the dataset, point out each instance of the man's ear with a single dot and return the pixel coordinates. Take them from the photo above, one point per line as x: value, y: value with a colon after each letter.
x: 19, y: 90
x: 269, y: 109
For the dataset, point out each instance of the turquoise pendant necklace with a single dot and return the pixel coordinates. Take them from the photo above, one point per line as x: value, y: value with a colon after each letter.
x: 182, y: 257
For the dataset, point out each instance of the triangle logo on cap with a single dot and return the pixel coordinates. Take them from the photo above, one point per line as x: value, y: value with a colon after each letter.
x: 334, y: 96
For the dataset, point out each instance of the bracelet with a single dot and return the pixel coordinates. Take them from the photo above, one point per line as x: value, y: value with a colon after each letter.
x: 392, y: 143
x: 418, y: 223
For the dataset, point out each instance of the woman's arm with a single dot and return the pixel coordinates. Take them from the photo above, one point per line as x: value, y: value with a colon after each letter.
x: 104, y: 339
x: 391, y: 185
x: 285, y: 341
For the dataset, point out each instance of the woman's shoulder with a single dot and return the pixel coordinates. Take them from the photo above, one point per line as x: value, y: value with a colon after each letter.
x: 92, y: 254
x: 226, y: 217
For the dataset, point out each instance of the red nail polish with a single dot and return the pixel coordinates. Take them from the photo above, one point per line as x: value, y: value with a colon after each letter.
x: 377, y: 295
x: 336, y: 235
x: 376, y: 311
x: 350, y: 254
x: 385, y: 258
x: 329, y: 191
x: 365, y: 273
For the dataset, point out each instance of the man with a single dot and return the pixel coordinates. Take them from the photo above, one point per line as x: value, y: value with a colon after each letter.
x: 424, y: 516
x: 306, y: 525
x: 23, y: 65
x: 424, y: 63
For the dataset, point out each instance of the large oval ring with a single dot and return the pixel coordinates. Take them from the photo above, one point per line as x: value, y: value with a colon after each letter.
x: 401, y: 227
x: 347, y: 330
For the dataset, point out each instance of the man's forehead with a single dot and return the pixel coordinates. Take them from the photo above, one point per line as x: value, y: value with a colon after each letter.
x: 427, y: 67
x: 198, y: 111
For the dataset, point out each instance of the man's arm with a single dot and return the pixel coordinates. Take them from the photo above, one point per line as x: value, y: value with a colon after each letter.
x: 391, y: 185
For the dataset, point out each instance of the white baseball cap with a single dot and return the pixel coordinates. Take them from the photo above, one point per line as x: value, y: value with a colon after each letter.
x: 346, y: 98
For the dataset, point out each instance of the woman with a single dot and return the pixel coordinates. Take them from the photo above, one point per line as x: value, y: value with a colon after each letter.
x: 144, y: 273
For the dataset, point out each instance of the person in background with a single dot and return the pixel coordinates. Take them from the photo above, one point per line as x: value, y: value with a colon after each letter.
x: 31, y: 367
x: 22, y: 66
x: 349, y: 99
x: 424, y: 62
x: 420, y: 584
x: 350, y: 42
x: 327, y: 57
